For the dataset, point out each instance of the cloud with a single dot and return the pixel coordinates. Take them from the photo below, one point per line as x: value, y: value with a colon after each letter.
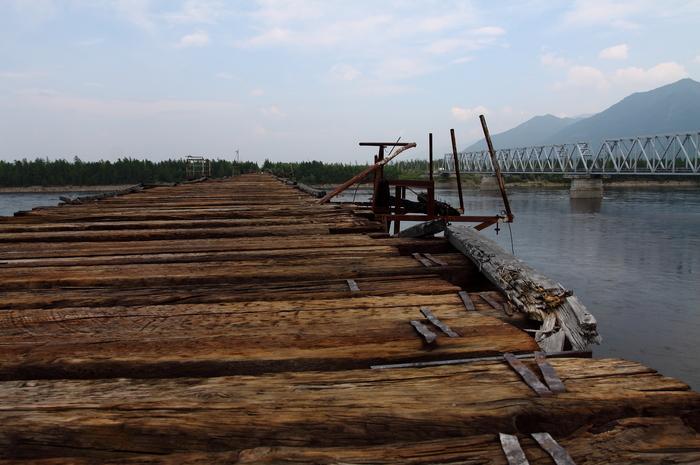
x: 616, y: 52
x: 20, y: 75
x: 137, y: 12
x: 464, y: 114
x: 196, y: 39
x: 225, y: 76
x: 258, y: 92
x: 696, y: 59
x: 197, y: 11
x: 617, y: 14
x: 626, y: 79
x: 460, y: 60
x: 344, y: 72
x: 663, y: 73
x: 272, y: 111
x: 579, y: 76
x: 554, y: 60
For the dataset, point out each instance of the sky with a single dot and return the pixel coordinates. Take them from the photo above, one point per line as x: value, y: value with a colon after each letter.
x: 307, y: 80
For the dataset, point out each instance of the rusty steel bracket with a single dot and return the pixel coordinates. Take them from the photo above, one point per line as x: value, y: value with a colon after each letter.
x: 437, y: 323
x: 557, y: 452
x: 424, y: 332
x: 549, y: 373
x: 466, y: 300
x: 527, y: 375
x: 512, y: 449
x: 352, y: 285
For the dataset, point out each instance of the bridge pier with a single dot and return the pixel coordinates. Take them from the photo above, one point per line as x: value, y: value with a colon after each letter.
x: 488, y: 183
x: 586, y: 188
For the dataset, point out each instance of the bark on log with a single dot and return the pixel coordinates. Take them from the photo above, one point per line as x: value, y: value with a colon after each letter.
x: 529, y: 291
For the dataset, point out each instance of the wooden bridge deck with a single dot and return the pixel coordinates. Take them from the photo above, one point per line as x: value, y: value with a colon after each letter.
x: 212, y: 323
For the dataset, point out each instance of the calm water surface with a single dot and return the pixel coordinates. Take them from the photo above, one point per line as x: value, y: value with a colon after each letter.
x: 633, y: 258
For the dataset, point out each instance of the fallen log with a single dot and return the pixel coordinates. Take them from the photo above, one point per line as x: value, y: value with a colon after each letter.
x: 530, y: 292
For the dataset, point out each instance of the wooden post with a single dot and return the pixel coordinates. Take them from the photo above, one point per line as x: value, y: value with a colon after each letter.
x: 430, y: 156
x: 459, y: 179
x: 496, y: 169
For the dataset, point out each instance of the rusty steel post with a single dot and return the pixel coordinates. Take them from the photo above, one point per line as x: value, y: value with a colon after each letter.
x: 459, y: 179
x: 496, y: 169
x: 430, y: 155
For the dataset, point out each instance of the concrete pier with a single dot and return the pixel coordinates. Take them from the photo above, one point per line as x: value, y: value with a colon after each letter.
x: 586, y: 188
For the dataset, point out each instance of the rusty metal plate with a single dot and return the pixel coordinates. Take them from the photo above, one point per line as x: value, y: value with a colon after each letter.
x: 527, y: 375
x: 550, y: 374
x: 423, y: 330
x: 437, y: 323
x: 511, y: 447
x: 557, y: 452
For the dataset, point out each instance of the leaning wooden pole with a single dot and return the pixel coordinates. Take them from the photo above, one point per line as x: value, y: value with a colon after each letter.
x: 496, y: 169
x: 459, y: 179
x: 359, y: 177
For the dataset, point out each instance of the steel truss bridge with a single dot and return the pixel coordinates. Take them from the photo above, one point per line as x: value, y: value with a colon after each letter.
x: 666, y: 154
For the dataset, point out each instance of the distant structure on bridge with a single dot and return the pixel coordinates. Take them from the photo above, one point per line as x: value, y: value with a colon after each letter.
x: 197, y: 167
x: 666, y: 154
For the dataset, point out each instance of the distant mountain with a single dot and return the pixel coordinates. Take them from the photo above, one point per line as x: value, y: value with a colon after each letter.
x: 531, y: 132
x: 670, y: 108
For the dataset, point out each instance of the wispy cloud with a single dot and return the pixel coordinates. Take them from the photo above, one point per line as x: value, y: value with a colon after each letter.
x: 628, y: 79
x: 195, y: 39
x: 465, y: 114
x: 616, y: 52
x: 344, y: 72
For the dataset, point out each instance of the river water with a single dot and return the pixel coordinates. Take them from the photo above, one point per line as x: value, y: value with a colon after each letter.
x: 633, y: 258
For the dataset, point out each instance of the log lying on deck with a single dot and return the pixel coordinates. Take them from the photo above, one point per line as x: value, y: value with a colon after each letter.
x: 629, y: 441
x: 348, y: 409
x: 236, y: 338
x: 530, y: 292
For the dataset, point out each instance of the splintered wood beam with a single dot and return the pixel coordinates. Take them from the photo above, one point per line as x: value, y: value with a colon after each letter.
x: 527, y: 290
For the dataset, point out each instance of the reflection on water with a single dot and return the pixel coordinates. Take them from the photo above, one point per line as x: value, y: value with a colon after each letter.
x: 633, y: 258
x: 585, y: 205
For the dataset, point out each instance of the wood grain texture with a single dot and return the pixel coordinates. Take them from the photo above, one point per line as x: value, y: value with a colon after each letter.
x: 212, y: 322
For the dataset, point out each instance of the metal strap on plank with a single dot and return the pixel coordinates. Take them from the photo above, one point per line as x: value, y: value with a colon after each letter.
x: 527, y: 375
x: 352, y: 285
x: 426, y: 263
x: 511, y: 447
x: 464, y: 295
x: 489, y: 300
x: 553, y: 381
x: 436, y: 322
x: 435, y: 260
x: 423, y: 330
x: 557, y: 452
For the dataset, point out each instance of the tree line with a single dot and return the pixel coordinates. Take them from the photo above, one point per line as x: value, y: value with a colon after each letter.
x: 44, y: 172
x: 318, y: 172
x: 61, y: 172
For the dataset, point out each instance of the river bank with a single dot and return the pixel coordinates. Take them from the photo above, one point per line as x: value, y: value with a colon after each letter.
x: 558, y: 184
x: 61, y: 189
